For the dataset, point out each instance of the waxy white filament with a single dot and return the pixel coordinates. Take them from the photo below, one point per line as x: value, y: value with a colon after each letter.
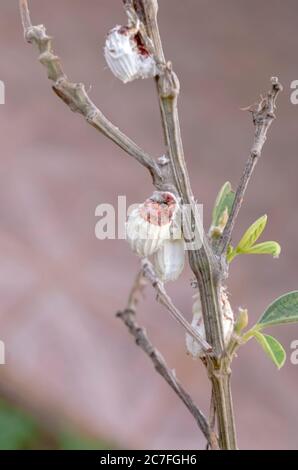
x: 192, y: 346
x: 125, y: 58
x: 168, y: 261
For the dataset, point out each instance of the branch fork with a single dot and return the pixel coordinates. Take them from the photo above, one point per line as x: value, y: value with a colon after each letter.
x: 128, y: 317
x: 77, y: 99
x: 164, y: 299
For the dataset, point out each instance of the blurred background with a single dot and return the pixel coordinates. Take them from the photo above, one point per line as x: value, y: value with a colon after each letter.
x: 71, y: 366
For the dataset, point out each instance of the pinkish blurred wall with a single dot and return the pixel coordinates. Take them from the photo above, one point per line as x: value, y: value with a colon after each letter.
x: 67, y: 354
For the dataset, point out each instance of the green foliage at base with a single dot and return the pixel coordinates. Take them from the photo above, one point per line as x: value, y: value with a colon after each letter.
x: 20, y: 431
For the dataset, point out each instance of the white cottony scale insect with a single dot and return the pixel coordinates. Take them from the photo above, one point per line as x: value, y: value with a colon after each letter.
x: 149, y: 225
x: 127, y: 57
x: 192, y: 346
x: 168, y: 261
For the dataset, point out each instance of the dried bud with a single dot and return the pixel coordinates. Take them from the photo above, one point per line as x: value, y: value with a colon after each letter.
x: 217, y: 230
x: 168, y: 261
x: 127, y: 56
x: 242, y: 320
x: 149, y: 225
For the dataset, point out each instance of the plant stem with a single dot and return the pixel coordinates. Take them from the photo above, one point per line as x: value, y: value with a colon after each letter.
x: 203, y: 262
x: 221, y: 385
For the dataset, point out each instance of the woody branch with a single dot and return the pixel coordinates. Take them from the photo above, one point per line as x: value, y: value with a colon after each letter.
x: 128, y: 316
x: 76, y: 97
x: 263, y: 117
x: 204, y: 263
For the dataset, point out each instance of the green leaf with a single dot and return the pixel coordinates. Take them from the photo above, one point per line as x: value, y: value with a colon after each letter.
x: 17, y: 429
x: 71, y: 441
x: 265, y: 248
x: 283, y: 310
x: 272, y: 348
x: 252, y: 234
x: 224, y: 200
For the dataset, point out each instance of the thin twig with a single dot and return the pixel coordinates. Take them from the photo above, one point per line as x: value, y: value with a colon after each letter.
x: 164, y: 299
x: 76, y: 97
x: 212, y: 416
x: 142, y: 340
x: 212, y: 413
x: 136, y: 291
x: 263, y: 116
